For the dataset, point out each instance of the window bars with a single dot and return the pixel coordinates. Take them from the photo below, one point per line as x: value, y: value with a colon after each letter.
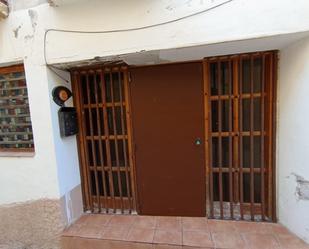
x: 15, y: 123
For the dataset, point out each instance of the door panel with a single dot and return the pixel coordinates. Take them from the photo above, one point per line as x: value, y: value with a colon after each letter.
x: 167, y: 109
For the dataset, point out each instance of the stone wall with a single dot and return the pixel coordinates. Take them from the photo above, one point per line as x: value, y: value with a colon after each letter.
x: 31, y: 225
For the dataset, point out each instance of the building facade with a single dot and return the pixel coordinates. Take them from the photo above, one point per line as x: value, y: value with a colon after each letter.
x: 189, y: 108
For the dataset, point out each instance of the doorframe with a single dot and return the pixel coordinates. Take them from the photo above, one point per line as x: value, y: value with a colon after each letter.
x: 272, y: 119
x: 81, y: 146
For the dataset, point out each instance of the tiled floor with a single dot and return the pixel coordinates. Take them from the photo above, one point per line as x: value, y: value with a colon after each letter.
x: 148, y: 232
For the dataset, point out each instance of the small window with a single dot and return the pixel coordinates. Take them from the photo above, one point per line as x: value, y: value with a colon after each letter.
x: 15, y: 123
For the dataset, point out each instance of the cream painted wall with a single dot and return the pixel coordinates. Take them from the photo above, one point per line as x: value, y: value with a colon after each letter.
x: 35, y: 177
x: 67, y: 163
x: 53, y: 171
x: 235, y: 20
x: 293, y: 138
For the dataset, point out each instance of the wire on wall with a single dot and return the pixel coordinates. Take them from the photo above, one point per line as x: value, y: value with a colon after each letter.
x: 52, y: 67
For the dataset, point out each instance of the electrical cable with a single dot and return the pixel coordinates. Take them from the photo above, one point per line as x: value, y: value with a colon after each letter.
x: 51, y: 67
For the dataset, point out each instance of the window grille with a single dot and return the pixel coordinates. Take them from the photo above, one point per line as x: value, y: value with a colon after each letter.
x: 15, y: 123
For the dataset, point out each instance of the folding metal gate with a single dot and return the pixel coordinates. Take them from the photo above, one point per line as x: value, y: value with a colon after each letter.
x: 102, y: 100
x: 240, y: 116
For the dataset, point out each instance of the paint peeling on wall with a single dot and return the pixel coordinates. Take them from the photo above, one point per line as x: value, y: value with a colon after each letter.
x: 33, y: 18
x: 24, y: 4
x: 15, y: 31
x: 302, y: 188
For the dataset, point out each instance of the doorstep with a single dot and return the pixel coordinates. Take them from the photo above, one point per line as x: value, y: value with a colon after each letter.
x: 100, y: 231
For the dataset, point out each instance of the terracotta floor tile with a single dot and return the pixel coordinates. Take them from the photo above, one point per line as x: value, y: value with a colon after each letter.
x: 83, y: 243
x: 228, y: 240
x: 82, y: 220
x: 194, y: 247
x: 113, y: 244
x: 71, y: 231
x: 67, y: 242
x: 252, y: 227
x: 197, y: 238
x: 98, y: 231
x: 145, y: 222
x: 115, y: 233
x: 90, y: 232
x: 101, y: 220
x: 259, y: 241
x: 195, y: 223
x: 162, y: 246
x: 290, y: 241
x: 141, y: 235
x: 169, y: 223
x: 278, y: 229
x: 168, y: 237
x: 122, y: 220
x: 221, y: 226
x: 89, y: 219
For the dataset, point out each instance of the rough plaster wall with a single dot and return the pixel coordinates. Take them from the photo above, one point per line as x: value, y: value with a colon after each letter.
x: 53, y: 171
x: 33, y: 178
x: 31, y: 225
x: 246, y: 20
x: 292, y: 142
x: 24, y: 4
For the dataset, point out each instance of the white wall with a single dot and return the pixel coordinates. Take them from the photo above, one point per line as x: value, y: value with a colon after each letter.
x: 66, y: 148
x: 35, y: 177
x: 235, y: 20
x: 53, y: 171
x: 66, y: 154
x: 293, y: 137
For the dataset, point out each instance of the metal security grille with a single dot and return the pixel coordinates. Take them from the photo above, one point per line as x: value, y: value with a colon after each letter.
x: 101, y: 98
x: 239, y: 110
x: 15, y: 123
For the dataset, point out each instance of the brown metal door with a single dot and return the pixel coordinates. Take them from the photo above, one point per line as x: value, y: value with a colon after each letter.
x: 167, y: 109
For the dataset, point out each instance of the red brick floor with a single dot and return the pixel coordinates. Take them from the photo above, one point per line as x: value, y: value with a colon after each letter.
x: 98, y: 231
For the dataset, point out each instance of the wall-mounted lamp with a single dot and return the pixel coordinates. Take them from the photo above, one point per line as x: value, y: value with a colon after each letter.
x: 67, y: 116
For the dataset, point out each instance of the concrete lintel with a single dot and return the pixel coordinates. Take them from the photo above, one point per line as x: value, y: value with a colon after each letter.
x: 171, y: 55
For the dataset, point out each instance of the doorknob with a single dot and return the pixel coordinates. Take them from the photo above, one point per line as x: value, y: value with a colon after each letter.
x: 198, y: 141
